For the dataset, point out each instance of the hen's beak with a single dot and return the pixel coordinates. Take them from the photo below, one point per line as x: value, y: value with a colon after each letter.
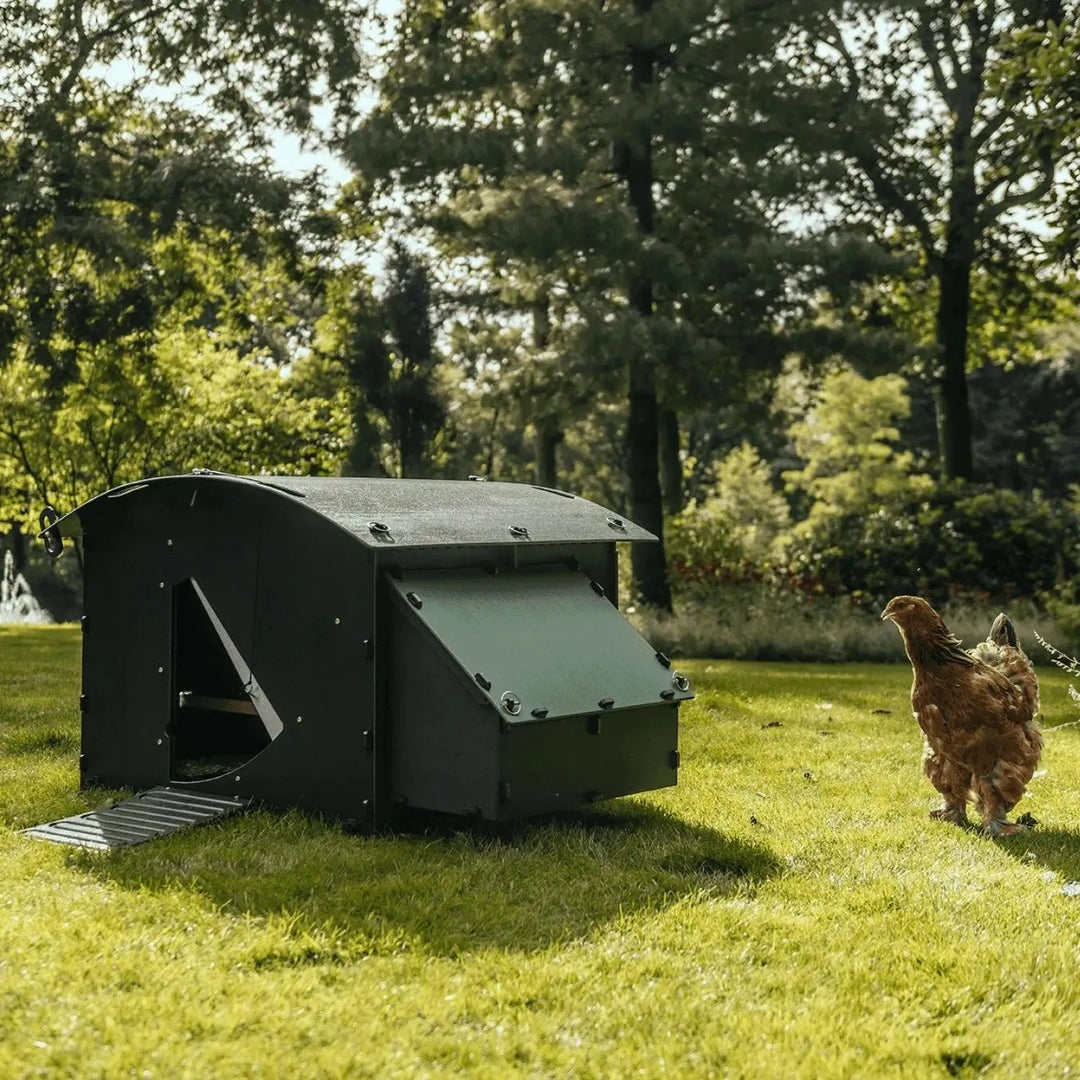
x: 888, y: 612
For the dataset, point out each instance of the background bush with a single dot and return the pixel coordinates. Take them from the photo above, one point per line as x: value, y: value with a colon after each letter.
x: 961, y: 541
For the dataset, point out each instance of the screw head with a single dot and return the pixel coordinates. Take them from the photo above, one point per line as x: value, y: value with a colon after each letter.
x: 169, y: 542
x: 159, y: 742
x: 161, y: 584
x: 337, y: 622
x: 299, y: 719
x: 161, y: 671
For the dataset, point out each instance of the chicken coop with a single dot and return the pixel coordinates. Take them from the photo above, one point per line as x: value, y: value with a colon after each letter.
x: 358, y: 646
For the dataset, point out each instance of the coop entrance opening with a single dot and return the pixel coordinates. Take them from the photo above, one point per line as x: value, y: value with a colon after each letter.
x: 220, y: 719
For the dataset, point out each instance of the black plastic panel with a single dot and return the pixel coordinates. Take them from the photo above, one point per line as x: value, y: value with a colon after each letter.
x: 405, y: 514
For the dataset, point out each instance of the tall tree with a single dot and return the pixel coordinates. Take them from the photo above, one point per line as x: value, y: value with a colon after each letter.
x: 633, y: 154
x: 388, y: 350
x: 950, y: 143
x: 132, y: 228
x: 614, y: 159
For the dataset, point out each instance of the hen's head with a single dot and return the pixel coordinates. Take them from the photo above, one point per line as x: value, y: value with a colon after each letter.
x: 926, y: 637
x: 912, y: 613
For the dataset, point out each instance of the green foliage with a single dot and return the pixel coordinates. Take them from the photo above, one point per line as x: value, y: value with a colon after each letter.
x: 1016, y: 300
x: 156, y: 298
x: 1063, y: 600
x: 386, y: 348
x: 736, y: 524
x: 960, y: 539
x: 243, y: 59
x: 870, y: 528
x: 948, y: 142
x: 526, y: 141
x: 195, y: 403
x: 847, y: 440
x: 1045, y: 60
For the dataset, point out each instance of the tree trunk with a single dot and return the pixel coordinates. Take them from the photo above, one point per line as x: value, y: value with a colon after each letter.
x: 951, y: 390
x: 19, y: 546
x: 670, y: 461
x: 954, y: 271
x: 549, y: 434
x: 634, y: 157
x: 648, y: 561
x: 411, y: 451
x: 489, y: 456
x: 953, y: 311
x: 363, y: 456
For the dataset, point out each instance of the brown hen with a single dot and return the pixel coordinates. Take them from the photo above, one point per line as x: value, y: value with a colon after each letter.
x: 976, y: 709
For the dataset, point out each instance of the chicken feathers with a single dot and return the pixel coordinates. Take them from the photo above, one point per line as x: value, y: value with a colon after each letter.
x: 976, y: 709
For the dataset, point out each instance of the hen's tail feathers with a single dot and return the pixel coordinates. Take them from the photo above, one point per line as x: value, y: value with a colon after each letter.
x: 1003, y: 632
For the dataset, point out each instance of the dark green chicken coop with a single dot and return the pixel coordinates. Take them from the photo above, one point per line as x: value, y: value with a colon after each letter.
x: 356, y: 647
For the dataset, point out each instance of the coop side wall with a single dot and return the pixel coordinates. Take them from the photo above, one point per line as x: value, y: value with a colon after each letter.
x: 296, y: 596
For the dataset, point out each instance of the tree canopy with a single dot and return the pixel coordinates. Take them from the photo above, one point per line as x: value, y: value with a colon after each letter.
x: 682, y: 256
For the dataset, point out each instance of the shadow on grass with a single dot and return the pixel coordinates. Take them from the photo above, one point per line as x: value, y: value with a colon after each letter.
x: 445, y: 892
x: 1054, y: 849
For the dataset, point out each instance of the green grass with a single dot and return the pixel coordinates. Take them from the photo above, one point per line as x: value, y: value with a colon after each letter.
x: 787, y: 911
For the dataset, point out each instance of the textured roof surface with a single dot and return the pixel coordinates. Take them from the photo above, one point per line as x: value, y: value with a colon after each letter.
x: 424, y: 513
x: 383, y: 512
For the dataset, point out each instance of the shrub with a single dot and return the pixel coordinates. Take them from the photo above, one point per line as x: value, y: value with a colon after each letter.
x: 726, y: 536
x: 962, y: 540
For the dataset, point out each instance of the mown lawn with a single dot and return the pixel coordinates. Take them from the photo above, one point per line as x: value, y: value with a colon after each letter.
x: 787, y: 911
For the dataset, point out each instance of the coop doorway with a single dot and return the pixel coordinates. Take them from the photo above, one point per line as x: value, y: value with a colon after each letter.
x: 220, y: 717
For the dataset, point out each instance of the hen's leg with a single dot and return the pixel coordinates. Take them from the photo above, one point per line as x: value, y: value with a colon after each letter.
x: 997, y: 793
x: 952, y: 781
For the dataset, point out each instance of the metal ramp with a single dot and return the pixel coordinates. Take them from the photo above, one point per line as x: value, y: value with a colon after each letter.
x: 146, y: 816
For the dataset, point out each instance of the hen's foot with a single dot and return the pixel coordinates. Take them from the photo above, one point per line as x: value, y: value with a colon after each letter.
x: 1004, y: 828
x: 955, y: 814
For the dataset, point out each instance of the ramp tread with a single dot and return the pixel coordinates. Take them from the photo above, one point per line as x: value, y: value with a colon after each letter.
x: 159, y: 811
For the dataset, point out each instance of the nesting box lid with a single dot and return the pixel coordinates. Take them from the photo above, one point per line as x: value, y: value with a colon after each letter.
x: 397, y: 514
x: 539, y: 642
